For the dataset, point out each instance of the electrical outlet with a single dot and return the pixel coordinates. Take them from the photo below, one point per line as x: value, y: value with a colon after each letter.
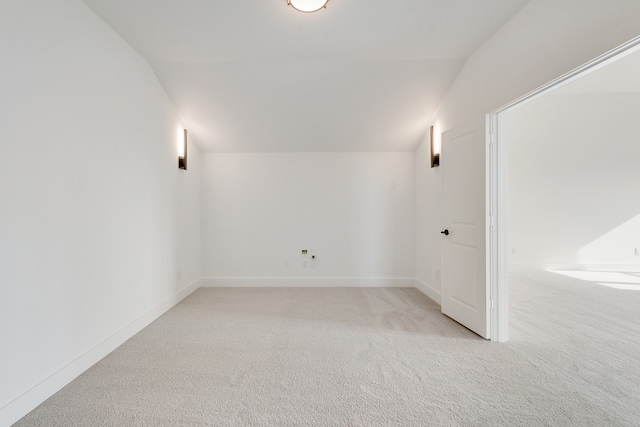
x: 179, y: 274
x: 287, y: 263
x: 305, y: 263
x: 514, y: 251
x: 437, y: 274
x: 637, y: 251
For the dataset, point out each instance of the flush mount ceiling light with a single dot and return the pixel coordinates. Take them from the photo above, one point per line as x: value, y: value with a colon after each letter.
x: 308, y: 6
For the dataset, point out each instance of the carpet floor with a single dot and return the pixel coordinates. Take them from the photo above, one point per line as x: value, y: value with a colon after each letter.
x: 367, y: 357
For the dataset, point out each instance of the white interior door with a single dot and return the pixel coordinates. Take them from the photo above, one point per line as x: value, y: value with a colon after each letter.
x: 465, y: 288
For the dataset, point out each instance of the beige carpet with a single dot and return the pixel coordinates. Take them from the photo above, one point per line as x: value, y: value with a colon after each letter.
x: 367, y: 357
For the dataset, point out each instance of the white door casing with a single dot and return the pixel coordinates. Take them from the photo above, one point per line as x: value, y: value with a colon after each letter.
x: 498, y: 242
x: 465, y: 284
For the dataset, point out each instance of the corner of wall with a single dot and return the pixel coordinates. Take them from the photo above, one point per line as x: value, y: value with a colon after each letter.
x: 429, y: 291
x: 30, y: 399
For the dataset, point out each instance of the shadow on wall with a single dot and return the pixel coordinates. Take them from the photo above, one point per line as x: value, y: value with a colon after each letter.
x: 615, y: 240
x: 573, y: 173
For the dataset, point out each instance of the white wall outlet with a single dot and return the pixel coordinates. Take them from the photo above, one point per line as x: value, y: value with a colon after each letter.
x: 392, y: 185
x: 305, y: 263
x: 179, y: 274
x: 514, y: 251
x: 287, y: 263
x: 437, y: 274
x: 636, y: 251
x: 209, y: 186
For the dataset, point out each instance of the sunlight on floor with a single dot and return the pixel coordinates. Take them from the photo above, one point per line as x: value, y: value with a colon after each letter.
x: 623, y: 280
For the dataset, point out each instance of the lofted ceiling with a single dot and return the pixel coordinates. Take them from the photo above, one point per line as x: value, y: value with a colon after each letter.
x: 258, y: 76
x: 620, y: 76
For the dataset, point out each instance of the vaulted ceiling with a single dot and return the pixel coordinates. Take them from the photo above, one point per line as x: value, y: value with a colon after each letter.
x: 258, y: 76
x: 620, y: 76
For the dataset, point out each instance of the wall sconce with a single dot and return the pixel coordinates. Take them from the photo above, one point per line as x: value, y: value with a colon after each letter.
x: 435, y: 157
x: 308, y: 6
x: 182, y: 160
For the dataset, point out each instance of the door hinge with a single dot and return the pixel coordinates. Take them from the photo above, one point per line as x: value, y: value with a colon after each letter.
x: 493, y: 304
x: 492, y: 221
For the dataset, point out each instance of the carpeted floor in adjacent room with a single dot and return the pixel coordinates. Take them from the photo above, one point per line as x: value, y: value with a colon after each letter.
x: 368, y: 357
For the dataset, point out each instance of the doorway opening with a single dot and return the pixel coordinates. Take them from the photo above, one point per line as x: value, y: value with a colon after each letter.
x: 499, y: 250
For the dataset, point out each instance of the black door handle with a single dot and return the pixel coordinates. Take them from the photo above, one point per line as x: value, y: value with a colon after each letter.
x: 445, y: 232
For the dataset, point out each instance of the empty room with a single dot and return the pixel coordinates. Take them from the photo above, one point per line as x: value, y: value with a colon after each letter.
x: 295, y: 213
x: 572, y: 161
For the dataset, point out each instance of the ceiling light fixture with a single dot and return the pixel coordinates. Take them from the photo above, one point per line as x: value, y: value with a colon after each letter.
x: 308, y: 6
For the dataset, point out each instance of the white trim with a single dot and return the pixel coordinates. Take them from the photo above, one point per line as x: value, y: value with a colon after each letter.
x: 623, y: 267
x: 498, y: 253
x: 491, y: 230
x: 30, y: 399
x: 429, y: 291
x: 599, y: 62
x: 309, y: 282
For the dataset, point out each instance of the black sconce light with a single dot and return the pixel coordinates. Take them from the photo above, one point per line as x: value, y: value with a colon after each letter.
x: 182, y: 160
x: 435, y: 157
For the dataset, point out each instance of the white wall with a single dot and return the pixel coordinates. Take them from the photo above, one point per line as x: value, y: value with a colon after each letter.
x: 546, y: 39
x: 260, y: 209
x: 573, y: 179
x: 92, y: 204
x: 428, y: 222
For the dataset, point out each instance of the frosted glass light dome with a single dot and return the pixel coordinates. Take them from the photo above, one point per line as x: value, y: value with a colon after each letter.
x: 308, y: 5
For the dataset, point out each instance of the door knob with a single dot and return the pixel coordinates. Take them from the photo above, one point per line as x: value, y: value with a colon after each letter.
x: 445, y: 232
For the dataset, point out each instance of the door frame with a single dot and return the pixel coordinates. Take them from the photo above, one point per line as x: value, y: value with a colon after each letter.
x: 497, y: 143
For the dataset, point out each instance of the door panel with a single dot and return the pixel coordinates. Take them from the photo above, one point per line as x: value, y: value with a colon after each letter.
x: 465, y: 296
x: 462, y: 280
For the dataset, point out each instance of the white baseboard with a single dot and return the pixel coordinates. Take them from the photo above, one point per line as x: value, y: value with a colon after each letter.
x: 309, y: 282
x: 428, y: 291
x: 575, y: 267
x: 29, y: 400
